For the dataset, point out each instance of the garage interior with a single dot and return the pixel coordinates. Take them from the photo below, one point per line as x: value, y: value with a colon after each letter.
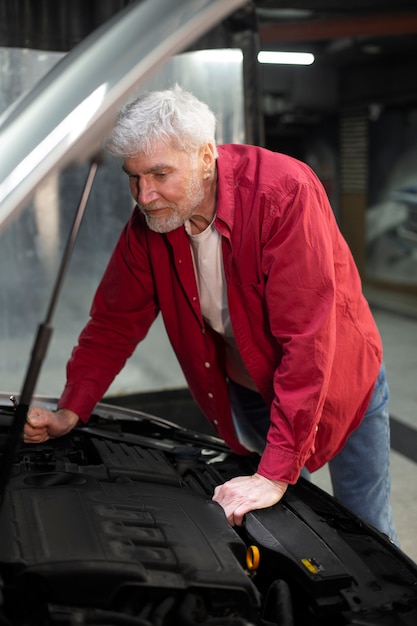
x: 352, y: 115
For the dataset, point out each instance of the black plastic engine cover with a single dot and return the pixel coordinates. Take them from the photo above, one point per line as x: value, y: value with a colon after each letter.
x: 88, y: 539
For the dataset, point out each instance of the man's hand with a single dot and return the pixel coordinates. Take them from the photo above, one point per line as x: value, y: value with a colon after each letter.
x: 43, y: 424
x: 247, y: 493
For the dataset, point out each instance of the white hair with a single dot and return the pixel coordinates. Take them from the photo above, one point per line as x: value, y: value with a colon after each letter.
x: 173, y: 115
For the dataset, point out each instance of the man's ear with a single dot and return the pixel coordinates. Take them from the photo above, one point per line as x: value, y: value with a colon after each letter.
x: 209, y: 159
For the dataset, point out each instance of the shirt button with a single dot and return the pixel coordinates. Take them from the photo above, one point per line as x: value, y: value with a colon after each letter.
x: 203, y: 330
x: 210, y: 395
x: 215, y: 422
x: 207, y: 364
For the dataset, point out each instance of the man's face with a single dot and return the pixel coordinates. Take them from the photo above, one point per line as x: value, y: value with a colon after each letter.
x: 167, y: 185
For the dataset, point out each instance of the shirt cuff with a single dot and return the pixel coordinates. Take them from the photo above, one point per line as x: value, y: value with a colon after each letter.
x: 279, y: 464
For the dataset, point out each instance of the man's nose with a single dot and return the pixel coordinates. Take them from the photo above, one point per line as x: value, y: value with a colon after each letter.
x: 146, y: 192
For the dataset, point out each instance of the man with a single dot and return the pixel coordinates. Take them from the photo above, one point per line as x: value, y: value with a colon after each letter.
x: 238, y: 249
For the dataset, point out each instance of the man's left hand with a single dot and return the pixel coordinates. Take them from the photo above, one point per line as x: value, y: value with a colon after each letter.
x: 247, y: 493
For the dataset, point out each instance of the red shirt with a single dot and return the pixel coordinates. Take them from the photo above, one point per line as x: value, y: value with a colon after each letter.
x: 300, y: 320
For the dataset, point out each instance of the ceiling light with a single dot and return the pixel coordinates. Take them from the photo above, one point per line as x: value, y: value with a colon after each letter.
x: 286, y: 58
x: 221, y: 55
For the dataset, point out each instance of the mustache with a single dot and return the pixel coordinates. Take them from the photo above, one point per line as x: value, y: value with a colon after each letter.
x: 154, y: 206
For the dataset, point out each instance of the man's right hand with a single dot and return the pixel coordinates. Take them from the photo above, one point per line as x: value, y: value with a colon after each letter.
x: 43, y: 424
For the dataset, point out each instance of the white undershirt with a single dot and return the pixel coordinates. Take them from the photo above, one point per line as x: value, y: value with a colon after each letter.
x: 207, y: 255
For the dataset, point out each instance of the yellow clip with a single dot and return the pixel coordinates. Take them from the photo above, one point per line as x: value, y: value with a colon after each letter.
x: 310, y: 566
x: 252, y: 558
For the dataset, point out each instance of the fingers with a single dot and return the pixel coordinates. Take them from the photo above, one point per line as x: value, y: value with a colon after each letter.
x: 37, y: 416
x: 235, y: 499
x: 235, y: 516
x: 247, y: 493
x: 35, y: 435
x: 43, y: 424
x: 37, y: 424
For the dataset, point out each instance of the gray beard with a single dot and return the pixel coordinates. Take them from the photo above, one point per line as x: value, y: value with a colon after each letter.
x: 164, y: 225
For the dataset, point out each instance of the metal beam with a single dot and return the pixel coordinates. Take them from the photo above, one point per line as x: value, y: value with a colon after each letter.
x: 384, y: 24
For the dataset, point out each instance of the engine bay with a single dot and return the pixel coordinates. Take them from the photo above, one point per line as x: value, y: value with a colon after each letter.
x: 114, y: 524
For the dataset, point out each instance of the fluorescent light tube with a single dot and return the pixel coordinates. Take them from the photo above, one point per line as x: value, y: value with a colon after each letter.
x: 286, y: 58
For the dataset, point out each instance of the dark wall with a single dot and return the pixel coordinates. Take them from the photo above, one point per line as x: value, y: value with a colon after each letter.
x: 54, y: 25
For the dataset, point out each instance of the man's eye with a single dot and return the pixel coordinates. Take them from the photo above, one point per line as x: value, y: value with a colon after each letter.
x: 160, y: 175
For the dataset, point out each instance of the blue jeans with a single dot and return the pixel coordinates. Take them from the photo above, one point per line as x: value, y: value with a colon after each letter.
x: 360, y: 473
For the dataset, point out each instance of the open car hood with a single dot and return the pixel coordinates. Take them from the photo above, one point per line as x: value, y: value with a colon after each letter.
x: 65, y: 117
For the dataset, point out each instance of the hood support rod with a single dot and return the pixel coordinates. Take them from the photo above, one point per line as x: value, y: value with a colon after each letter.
x: 41, y: 343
